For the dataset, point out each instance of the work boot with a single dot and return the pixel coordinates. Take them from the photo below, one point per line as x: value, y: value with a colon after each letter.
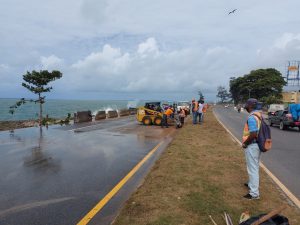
x: 250, y: 197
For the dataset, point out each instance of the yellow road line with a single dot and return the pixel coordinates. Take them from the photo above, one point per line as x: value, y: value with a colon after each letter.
x: 86, y: 219
x: 285, y: 190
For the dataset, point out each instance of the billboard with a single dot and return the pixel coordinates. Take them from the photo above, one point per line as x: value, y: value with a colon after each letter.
x: 293, y: 68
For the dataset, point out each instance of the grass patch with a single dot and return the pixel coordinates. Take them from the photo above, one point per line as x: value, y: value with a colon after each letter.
x: 201, y: 173
x: 165, y: 220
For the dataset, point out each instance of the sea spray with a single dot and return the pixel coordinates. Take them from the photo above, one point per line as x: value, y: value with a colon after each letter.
x: 133, y: 104
x: 106, y: 109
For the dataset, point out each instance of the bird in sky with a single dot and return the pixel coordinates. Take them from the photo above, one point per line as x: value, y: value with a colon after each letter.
x: 233, y: 11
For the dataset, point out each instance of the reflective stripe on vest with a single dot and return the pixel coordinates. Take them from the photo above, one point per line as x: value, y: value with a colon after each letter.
x: 246, y: 132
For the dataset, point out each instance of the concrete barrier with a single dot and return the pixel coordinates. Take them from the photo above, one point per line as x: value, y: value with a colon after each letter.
x: 112, y: 114
x: 101, y: 115
x: 124, y: 112
x: 83, y: 116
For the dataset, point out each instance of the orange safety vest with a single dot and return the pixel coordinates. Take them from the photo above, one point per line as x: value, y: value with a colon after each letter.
x: 168, y: 112
x: 204, y: 108
x: 246, y: 132
x: 196, y: 106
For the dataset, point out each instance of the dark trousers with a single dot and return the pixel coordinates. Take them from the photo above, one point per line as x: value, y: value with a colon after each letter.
x: 182, y: 120
x: 164, y: 121
x: 195, y: 115
x: 200, y: 117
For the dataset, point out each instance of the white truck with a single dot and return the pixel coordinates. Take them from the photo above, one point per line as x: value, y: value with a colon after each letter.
x: 275, y: 107
x: 184, y: 105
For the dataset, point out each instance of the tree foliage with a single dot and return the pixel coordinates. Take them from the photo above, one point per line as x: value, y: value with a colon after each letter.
x: 201, y: 96
x: 223, y: 94
x: 37, y: 82
x: 263, y: 84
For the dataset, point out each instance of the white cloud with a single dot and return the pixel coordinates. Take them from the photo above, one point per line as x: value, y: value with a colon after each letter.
x: 217, y: 51
x: 51, y: 62
x: 148, y: 70
x: 126, y: 46
x: 283, y: 49
x: 109, y: 61
x: 286, y: 39
x: 4, y: 67
x: 148, y: 47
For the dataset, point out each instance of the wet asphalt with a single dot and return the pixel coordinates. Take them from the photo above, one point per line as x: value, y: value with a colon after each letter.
x: 58, y: 175
x: 283, y: 160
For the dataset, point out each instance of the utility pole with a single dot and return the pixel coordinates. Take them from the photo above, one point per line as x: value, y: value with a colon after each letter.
x: 249, y: 91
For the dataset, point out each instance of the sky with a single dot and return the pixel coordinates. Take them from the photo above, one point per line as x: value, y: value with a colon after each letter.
x: 142, y: 49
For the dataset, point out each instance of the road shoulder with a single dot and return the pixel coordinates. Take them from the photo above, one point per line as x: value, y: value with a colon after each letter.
x: 201, y: 173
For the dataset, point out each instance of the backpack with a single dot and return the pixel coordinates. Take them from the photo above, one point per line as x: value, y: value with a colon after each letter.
x: 275, y: 220
x: 264, y: 139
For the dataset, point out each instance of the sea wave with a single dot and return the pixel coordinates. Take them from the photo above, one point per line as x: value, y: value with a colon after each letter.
x: 61, y: 108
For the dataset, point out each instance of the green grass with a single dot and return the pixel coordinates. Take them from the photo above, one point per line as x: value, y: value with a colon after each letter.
x: 201, y: 173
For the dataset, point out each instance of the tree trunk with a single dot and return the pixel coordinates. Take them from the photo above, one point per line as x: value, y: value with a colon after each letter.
x: 41, y: 111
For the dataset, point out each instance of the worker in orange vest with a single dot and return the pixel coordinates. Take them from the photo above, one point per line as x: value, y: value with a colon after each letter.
x: 195, y: 106
x: 252, y: 151
x: 166, y: 114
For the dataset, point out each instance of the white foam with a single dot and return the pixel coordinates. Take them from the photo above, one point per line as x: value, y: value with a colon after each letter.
x: 132, y: 104
x: 106, y: 109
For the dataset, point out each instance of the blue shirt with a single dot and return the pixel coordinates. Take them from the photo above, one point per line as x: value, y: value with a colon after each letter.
x: 252, y: 124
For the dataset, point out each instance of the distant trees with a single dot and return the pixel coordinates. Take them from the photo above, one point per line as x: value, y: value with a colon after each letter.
x: 263, y: 84
x: 37, y: 82
x: 201, y: 96
x: 223, y: 94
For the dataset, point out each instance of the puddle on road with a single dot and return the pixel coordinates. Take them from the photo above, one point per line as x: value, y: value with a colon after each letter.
x: 60, y: 162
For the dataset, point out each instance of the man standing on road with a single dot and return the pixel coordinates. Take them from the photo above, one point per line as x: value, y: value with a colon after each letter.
x: 200, y: 111
x: 195, y: 111
x: 252, y: 151
x: 166, y: 114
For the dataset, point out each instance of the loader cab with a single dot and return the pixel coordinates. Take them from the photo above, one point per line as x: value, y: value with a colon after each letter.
x: 155, y: 106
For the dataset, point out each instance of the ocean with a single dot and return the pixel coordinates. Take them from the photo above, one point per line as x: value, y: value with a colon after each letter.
x: 61, y: 108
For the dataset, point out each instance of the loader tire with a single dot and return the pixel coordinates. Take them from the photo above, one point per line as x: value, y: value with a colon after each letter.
x: 157, y: 121
x: 147, y: 121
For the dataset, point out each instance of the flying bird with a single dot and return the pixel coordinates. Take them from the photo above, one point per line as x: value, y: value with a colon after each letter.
x: 233, y: 11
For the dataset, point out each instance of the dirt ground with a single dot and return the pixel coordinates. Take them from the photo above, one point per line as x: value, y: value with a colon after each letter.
x: 201, y: 173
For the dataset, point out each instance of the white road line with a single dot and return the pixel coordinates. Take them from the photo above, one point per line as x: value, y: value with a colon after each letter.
x: 290, y: 195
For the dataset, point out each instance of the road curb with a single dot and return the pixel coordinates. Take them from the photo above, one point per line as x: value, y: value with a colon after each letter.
x: 288, y: 193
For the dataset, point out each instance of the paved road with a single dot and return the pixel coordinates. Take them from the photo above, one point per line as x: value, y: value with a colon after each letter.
x: 284, y: 158
x: 58, y: 176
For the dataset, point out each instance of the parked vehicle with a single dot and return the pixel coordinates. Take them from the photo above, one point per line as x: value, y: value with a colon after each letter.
x: 275, y: 107
x: 284, y: 119
x: 184, y: 105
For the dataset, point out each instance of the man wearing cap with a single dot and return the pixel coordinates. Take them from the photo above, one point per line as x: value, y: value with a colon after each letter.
x: 252, y: 151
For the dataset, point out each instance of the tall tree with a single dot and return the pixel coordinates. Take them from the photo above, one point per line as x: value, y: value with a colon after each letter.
x: 222, y: 94
x: 263, y: 84
x: 37, y: 82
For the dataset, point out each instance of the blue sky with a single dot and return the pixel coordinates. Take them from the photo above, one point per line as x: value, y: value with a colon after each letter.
x: 138, y: 49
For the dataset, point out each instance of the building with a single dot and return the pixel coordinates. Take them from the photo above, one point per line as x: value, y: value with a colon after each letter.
x: 291, y: 96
